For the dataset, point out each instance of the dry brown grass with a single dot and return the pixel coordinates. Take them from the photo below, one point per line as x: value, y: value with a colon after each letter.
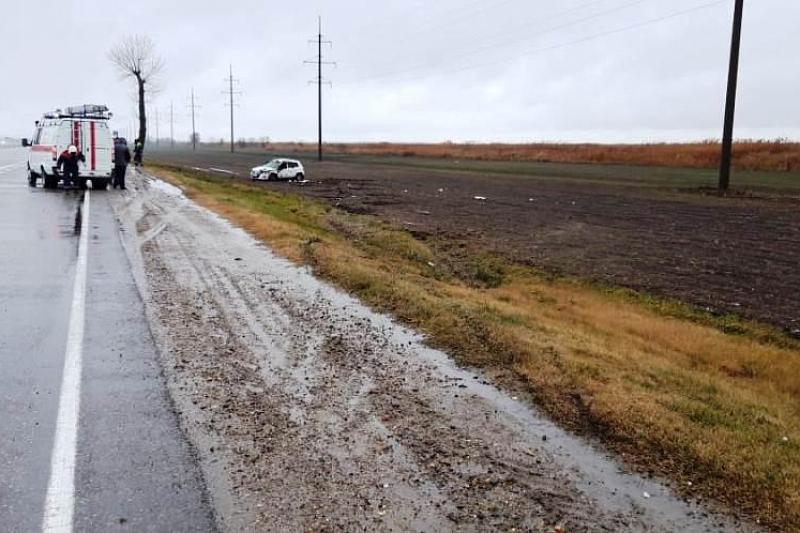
x: 775, y: 155
x: 681, y: 398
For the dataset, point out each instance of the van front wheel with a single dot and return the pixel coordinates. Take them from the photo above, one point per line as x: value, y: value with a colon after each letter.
x: 32, y: 177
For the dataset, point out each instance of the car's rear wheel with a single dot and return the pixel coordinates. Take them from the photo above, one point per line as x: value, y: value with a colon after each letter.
x: 299, y: 177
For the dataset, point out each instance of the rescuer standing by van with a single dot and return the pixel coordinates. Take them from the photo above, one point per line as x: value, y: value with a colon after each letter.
x: 68, y: 165
x: 122, y: 156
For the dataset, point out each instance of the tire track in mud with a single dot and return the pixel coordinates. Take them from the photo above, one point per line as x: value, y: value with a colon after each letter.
x: 309, y: 412
x: 287, y: 437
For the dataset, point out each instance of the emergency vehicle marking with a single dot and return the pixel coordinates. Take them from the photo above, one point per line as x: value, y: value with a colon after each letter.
x: 43, y: 148
x: 93, y: 156
x: 76, y: 135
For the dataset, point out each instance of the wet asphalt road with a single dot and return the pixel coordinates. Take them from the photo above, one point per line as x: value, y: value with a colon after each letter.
x: 134, y: 471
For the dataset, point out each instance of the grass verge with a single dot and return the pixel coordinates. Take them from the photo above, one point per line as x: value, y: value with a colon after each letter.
x: 673, y: 390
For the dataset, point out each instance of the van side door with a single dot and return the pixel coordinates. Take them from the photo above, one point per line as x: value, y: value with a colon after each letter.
x: 36, y: 157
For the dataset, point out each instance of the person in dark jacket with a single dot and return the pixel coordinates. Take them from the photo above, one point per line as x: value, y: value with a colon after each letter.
x: 122, y: 156
x: 68, y: 165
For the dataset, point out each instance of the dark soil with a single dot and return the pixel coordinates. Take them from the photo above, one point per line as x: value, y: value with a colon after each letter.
x: 736, y: 255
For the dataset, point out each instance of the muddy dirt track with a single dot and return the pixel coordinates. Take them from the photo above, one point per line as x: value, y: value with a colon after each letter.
x: 309, y: 412
x: 731, y: 255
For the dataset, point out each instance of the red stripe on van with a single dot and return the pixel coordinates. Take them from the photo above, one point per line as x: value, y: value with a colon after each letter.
x: 76, y: 135
x: 93, y: 157
x: 43, y: 148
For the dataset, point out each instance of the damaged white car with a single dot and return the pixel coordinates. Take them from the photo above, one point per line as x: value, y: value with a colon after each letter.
x: 279, y: 169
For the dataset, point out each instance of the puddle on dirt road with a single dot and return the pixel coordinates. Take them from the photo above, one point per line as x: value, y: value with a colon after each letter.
x: 165, y: 187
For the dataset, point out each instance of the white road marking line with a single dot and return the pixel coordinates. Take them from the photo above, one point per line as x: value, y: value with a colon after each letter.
x: 9, y: 168
x: 221, y: 170
x: 60, y: 503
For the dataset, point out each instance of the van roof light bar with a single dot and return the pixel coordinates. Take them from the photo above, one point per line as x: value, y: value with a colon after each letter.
x: 91, y: 111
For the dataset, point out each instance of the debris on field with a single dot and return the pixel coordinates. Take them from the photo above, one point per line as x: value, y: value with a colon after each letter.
x: 646, y: 495
x: 441, y: 190
x: 481, y: 198
x: 431, y: 264
x: 689, y: 483
x: 785, y: 439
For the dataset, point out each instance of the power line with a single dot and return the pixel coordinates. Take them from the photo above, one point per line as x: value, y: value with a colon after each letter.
x: 461, y: 13
x: 588, y: 38
x: 730, y: 103
x: 392, y: 17
x: 539, y: 19
x: 546, y: 31
x: 320, y: 81
x: 231, y: 94
x: 507, y: 42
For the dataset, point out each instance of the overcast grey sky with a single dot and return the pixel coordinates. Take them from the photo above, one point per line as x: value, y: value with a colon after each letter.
x: 461, y: 70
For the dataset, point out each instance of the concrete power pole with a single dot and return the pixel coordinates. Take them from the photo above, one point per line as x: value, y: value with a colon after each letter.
x: 231, y: 94
x: 171, y: 126
x: 158, y: 142
x: 194, y: 107
x: 730, y: 104
x: 320, y: 81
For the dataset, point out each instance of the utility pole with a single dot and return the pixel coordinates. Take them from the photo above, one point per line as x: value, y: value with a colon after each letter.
x: 231, y: 93
x: 157, y: 135
x: 730, y: 104
x: 320, y: 81
x: 194, y: 107
x: 171, y: 126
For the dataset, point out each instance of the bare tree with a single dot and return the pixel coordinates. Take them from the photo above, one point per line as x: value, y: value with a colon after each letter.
x: 135, y: 57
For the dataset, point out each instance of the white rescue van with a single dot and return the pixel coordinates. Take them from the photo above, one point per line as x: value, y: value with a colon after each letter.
x: 87, y: 128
